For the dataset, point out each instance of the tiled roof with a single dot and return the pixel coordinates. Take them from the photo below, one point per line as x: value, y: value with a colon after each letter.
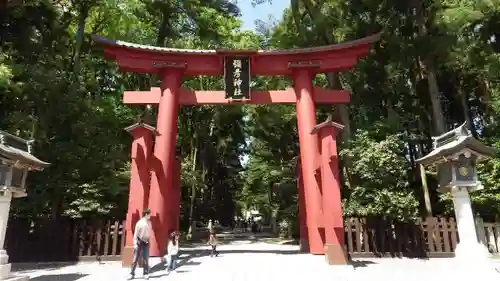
x: 128, y: 45
x: 462, y: 142
x: 139, y: 125
x: 14, y: 149
x: 23, y: 157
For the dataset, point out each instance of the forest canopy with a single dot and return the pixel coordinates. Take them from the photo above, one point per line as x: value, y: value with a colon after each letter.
x: 436, y: 66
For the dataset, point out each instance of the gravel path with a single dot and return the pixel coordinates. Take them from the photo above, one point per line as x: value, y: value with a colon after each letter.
x: 242, y: 261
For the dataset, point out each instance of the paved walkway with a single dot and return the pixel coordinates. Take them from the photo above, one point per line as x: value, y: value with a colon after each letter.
x: 249, y: 261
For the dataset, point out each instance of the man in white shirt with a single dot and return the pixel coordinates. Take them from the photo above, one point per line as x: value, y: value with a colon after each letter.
x: 141, y: 243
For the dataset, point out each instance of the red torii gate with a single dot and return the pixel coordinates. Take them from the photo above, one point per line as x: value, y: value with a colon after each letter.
x: 162, y: 192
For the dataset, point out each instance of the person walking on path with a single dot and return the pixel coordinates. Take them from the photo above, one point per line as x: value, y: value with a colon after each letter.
x: 212, y: 241
x: 141, y: 243
x: 172, y: 251
x: 210, y: 225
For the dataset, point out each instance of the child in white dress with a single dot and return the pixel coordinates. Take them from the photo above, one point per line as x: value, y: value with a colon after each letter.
x: 172, y: 251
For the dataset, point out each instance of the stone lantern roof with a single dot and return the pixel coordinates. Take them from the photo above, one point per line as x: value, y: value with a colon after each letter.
x: 454, y: 142
x: 17, y: 151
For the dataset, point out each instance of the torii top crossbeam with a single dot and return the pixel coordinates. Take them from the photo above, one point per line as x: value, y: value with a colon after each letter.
x: 149, y: 59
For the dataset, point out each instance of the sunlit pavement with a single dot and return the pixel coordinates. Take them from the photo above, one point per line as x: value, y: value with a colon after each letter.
x: 261, y: 261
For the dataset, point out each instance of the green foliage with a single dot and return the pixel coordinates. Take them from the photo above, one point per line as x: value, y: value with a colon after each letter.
x: 270, y: 184
x: 380, y: 169
x: 487, y: 201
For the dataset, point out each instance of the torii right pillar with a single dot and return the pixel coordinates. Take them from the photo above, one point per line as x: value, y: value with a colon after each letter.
x: 332, y: 221
x: 162, y: 195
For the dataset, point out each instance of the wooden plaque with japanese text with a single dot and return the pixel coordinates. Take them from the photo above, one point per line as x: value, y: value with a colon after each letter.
x: 237, y: 77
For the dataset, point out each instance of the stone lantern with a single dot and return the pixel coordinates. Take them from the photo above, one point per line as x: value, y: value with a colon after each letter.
x: 455, y: 155
x: 15, y: 162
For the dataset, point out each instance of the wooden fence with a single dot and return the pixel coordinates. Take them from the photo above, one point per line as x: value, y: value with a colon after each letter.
x: 432, y: 237
x: 65, y: 240
x: 77, y: 240
x: 489, y: 234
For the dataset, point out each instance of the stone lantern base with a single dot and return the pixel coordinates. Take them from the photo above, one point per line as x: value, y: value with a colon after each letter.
x: 5, y: 269
x: 5, y: 198
x: 4, y: 265
x: 474, y: 251
x: 469, y: 253
x: 476, y: 257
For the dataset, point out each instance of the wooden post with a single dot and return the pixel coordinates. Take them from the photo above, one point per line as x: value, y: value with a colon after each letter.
x: 425, y: 190
x: 481, y: 234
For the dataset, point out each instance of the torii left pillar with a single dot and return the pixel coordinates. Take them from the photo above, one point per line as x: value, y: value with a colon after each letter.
x: 335, y: 252
x: 306, y: 122
x: 142, y: 146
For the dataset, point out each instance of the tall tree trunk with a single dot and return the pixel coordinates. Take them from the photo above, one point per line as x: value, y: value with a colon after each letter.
x: 192, y: 199
x: 484, y: 87
x: 392, y: 115
x: 83, y: 13
x: 464, y: 102
x: 343, y: 115
x: 162, y: 30
x: 415, y: 75
x: 429, y: 68
x: 314, y: 11
x: 437, y: 110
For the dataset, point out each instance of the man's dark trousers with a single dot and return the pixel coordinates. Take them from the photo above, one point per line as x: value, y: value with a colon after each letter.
x: 141, y: 252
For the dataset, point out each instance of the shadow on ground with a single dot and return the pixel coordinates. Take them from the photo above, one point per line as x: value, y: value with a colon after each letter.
x: 59, y: 277
x: 291, y: 242
x: 31, y: 267
x: 187, y: 256
x: 360, y: 263
x: 206, y: 252
x: 184, y: 260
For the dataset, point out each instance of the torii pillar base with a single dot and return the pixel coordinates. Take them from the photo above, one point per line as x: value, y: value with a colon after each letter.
x: 336, y: 254
x: 303, y: 245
